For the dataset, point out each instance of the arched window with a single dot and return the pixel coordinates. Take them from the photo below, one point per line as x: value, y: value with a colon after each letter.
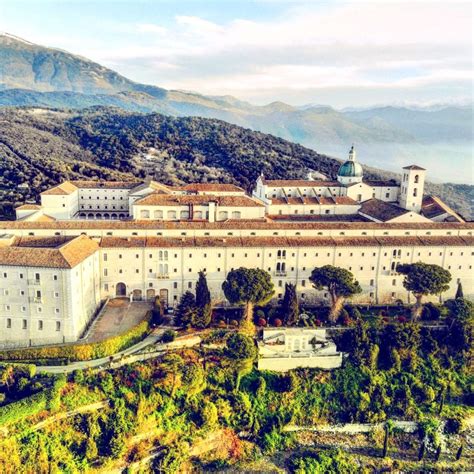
x: 160, y: 255
x: 166, y: 255
x: 417, y: 178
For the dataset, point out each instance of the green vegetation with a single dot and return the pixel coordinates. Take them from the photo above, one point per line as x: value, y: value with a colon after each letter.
x: 203, y: 303
x: 74, y: 352
x: 208, y: 408
x: 290, y: 307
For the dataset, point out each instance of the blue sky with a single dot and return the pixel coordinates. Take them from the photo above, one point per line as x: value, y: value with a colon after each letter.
x: 349, y: 53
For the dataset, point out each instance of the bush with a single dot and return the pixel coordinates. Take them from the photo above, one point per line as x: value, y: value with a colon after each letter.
x: 75, y: 352
x: 168, y: 336
x: 277, y: 322
x: 262, y: 322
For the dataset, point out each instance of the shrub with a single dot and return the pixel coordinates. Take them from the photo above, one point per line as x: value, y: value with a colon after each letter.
x: 234, y: 323
x: 262, y: 322
x: 277, y: 322
x: 168, y: 336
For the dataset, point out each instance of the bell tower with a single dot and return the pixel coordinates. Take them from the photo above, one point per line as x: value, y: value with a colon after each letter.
x: 412, y: 187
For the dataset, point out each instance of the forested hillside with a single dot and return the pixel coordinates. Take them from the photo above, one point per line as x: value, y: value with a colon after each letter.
x: 40, y: 147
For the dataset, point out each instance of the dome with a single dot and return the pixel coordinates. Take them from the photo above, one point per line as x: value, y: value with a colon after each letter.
x: 350, y: 169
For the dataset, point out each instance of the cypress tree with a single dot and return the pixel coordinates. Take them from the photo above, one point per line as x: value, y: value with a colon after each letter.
x: 459, y: 453
x: 203, y: 302
x: 385, y: 441
x: 459, y: 292
x: 290, y: 305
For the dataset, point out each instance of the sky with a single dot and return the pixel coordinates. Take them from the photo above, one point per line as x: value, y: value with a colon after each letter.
x: 339, y: 53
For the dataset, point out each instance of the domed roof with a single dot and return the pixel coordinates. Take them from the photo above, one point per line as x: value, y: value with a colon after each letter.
x: 350, y: 169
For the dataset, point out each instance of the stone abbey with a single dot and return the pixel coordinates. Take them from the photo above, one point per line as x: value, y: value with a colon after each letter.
x: 89, y: 240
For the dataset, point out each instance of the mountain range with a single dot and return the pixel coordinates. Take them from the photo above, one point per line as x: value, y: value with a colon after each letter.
x: 387, y: 138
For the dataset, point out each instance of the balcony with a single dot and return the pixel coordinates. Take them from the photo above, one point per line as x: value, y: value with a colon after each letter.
x: 159, y: 276
x: 280, y: 274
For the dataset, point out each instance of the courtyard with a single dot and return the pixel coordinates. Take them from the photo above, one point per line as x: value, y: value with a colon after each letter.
x: 118, y: 316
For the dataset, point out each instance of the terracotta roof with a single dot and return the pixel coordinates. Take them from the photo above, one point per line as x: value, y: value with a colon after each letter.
x: 62, y: 189
x: 318, y: 217
x: 212, y: 187
x: 381, y: 210
x: 414, y: 167
x: 299, y: 183
x: 51, y: 253
x: 106, y: 184
x: 29, y: 207
x: 155, y: 199
x: 228, y: 225
x: 158, y: 187
x: 432, y: 207
x: 276, y: 241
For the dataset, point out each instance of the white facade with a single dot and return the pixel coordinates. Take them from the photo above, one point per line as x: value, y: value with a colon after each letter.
x: 44, y: 305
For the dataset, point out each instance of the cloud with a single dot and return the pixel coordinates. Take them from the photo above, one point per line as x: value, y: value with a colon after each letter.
x: 392, y: 46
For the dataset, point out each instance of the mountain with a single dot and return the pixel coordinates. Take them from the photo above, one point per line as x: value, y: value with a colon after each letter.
x: 41, y: 147
x: 439, y: 139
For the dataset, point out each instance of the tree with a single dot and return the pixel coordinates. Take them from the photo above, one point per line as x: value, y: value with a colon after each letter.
x: 240, y: 346
x: 242, y: 349
x: 459, y: 292
x: 461, y: 325
x: 186, y: 310
x: 339, y: 283
x: 290, y: 305
x: 203, y: 302
x: 248, y: 286
x: 424, y: 279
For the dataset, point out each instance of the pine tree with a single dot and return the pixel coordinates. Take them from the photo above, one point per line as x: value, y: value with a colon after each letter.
x: 290, y: 305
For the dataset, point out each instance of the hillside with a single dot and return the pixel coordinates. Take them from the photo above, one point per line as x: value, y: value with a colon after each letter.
x: 39, y: 148
x: 387, y: 137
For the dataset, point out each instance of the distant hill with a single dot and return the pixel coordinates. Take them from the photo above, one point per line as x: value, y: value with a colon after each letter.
x: 386, y: 137
x: 39, y: 148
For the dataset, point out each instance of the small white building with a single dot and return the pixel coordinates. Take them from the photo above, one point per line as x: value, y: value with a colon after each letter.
x: 283, y: 349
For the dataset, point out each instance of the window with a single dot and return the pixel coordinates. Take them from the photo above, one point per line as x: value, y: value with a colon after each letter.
x: 175, y: 285
x: 106, y: 272
x: 372, y: 282
x: 56, y: 310
x: 40, y: 325
x: 417, y: 178
x: 56, y: 294
x: 394, y: 282
x: 37, y: 277
x: 9, y: 323
x: 58, y: 326
x: 55, y: 277
x: 24, y: 324
x: 21, y: 275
